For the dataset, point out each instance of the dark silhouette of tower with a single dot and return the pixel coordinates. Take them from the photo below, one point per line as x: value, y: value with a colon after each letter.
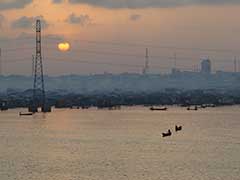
x: 146, y: 67
x: 38, y: 85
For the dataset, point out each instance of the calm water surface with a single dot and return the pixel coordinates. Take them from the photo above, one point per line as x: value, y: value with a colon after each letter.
x: 121, y: 145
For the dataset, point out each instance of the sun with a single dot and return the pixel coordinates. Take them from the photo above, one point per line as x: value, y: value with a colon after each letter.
x: 64, y: 47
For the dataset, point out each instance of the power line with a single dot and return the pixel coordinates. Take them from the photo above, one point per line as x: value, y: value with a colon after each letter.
x: 159, y: 46
x: 89, y: 62
x: 80, y: 51
x: 32, y: 38
x: 17, y: 49
x: 110, y: 53
x: 112, y: 43
x: 109, y: 63
x: 81, y: 61
x: 15, y: 60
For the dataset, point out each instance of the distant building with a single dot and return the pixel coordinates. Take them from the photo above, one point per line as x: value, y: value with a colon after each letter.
x: 175, y: 72
x: 206, y: 66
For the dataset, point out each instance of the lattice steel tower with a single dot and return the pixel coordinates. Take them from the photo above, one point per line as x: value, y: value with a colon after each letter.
x: 38, y: 85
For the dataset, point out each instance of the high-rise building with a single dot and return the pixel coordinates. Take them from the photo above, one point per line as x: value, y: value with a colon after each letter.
x: 206, y: 66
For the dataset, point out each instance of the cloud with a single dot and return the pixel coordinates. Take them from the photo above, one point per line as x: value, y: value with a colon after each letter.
x: 135, y: 17
x: 14, y: 4
x: 150, y: 3
x: 83, y: 20
x: 28, y: 22
x: 57, y: 1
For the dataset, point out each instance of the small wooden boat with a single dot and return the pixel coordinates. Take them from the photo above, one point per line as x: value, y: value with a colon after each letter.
x: 3, y: 106
x: 74, y: 107
x: 25, y: 114
x: 178, y: 128
x: 85, y: 107
x: 169, y: 133
x: 204, y: 106
x: 195, y: 108
x: 158, y: 109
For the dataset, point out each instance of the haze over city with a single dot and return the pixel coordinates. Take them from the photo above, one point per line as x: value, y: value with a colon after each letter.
x: 111, y: 36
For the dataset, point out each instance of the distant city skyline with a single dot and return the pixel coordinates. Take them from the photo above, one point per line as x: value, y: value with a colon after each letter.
x: 106, y: 35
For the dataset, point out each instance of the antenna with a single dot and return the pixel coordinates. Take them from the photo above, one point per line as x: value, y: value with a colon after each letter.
x: 146, y: 67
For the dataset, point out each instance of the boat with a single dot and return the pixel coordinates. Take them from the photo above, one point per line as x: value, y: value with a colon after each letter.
x: 195, y: 108
x: 169, y: 133
x: 117, y: 107
x: 158, y: 109
x: 85, y: 107
x: 25, y: 114
x: 204, y: 106
x: 74, y: 107
x: 178, y: 128
x: 3, y: 106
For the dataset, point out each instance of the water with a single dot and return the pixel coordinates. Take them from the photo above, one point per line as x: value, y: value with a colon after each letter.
x: 121, y: 145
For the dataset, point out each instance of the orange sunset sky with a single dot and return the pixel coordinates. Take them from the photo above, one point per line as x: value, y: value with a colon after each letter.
x: 191, y: 24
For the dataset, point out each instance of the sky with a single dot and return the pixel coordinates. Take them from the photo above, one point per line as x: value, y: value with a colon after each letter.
x: 112, y: 35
